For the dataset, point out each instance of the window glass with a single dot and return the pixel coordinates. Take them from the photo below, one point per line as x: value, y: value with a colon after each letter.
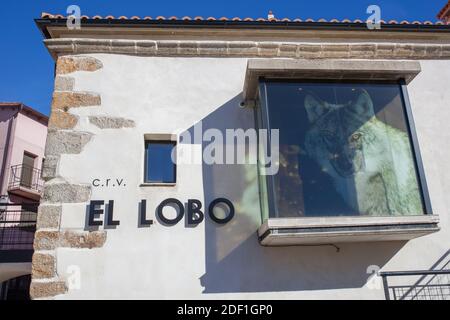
x: 159, y: 167
x: 262, y: 178
x: 344, y: 150
x: 26, y: 175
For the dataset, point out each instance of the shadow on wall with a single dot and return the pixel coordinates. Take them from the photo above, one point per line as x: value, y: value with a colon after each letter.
x: 236, y: 262
x: 443, y: 263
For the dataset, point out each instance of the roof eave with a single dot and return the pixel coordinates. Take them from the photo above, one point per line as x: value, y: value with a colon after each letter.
x: 43, y: 24
x: 24, y: 108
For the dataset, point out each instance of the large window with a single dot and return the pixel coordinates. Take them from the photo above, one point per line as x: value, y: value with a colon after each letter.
x: 159, y: 165
x: 346, y: 149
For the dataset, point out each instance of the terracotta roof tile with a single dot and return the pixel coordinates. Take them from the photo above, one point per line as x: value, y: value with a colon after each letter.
x: 46, y: 15
x: 444, y: 11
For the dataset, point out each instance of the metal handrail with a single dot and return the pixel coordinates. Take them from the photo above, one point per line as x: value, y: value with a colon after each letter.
x: 10, y: 204
x: 412, y: 273
x: 23, y: 175
x: 19, y: 221
x: 418, y: 290
x: 17, y: 227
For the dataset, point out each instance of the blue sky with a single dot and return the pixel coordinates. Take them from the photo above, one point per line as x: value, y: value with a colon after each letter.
x: 27, y: 68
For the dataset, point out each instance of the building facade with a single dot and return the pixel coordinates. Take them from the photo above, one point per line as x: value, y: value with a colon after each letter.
x: 23, y: 133
x: 348, y: 178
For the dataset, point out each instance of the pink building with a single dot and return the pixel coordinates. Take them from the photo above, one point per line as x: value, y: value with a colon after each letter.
x: 23, y: 133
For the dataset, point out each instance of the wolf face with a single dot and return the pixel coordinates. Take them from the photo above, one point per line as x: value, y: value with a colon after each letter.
x: 369, y: 161
x: 337, y: 133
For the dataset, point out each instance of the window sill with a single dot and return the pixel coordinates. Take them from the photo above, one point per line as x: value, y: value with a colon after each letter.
x: 300, y: 231
x: 158, y: 184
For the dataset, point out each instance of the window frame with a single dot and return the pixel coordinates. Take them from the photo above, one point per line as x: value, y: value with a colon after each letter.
x: 31, y: 156
x: 262, y: 121
x: 159, y: 183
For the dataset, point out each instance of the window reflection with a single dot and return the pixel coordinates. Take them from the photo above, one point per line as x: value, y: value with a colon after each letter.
x: 159, y: 167
x: 344, y: 150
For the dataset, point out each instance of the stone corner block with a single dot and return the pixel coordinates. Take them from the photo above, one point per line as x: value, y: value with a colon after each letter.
x: 104, y: 122
x: 62, y: 120
x: 64, y: 100
x: 63, y: 83
x: 47, y: 289
x: 50, y: 240
x: 66, y: 193
x: 83, y: 240
x: 50, y: 167
x: 66, y: 142
x: 43, y: 266
x: 49, y: 217
x: 46, y: 240
x: 69, y: 64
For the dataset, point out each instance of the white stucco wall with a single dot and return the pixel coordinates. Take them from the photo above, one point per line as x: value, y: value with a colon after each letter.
x: 167, y: 95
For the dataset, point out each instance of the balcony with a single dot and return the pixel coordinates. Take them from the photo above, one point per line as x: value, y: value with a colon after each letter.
x: 25, y: 181
x: 417, y: 285
x: 17, y: 228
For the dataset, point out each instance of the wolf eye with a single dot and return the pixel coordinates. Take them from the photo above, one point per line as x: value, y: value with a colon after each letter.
x: 355, y: 137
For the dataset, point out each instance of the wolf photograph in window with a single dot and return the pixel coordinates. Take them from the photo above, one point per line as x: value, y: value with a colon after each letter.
x: 344, y: 150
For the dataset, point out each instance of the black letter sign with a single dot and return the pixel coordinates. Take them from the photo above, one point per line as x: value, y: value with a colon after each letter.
x: 143, y: 215
x: 93, y: 212
x: 194, y: 214
x: 214, y: 204
x: 166, y: 202
x: 110, y: 220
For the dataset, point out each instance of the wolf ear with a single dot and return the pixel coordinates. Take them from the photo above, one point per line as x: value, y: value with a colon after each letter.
x: 363, y: 105
x: 315, y: 108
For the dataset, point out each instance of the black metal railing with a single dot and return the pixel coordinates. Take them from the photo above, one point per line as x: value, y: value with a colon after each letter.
x: 417, y: 285
x: 25, y: 176
x: 17, y: 227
